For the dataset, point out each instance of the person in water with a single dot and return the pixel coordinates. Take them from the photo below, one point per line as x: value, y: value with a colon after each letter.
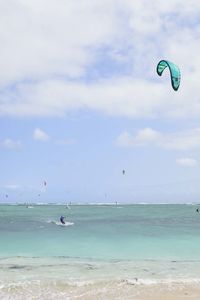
x: 197, y: 210
x: 62, y: 220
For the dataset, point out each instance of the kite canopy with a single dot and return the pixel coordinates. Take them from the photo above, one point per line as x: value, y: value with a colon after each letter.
x: 174, y: 72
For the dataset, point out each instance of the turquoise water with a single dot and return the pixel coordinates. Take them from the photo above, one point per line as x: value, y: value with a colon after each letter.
x: 104, y: 248
x: 126, y: 232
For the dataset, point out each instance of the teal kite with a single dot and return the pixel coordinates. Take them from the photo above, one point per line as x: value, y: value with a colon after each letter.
x: 174, y: 72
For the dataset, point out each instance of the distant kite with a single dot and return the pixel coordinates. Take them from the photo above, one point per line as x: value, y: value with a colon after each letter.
x: 123, y: 172
x: 174, y: 72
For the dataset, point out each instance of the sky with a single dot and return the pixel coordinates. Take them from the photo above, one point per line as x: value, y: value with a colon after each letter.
x: 80, y: 101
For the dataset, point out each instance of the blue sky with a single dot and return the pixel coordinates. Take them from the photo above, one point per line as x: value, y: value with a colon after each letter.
x: 80, y: 101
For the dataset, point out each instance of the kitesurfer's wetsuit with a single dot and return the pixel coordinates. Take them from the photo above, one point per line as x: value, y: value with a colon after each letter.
x: 62, y: 220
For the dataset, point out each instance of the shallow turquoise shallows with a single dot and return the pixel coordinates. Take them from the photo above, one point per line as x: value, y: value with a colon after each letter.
x: 101, y: 232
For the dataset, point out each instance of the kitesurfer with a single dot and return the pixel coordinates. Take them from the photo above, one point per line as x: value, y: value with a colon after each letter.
x: 62, y: 220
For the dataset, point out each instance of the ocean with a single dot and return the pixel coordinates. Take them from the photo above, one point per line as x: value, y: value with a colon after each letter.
x: 112, y: 244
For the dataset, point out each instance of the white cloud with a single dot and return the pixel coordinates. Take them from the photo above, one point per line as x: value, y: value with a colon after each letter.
x: 187, y: 162
x: 143, y: 137
x: 12, y: 187
x: 40, y: 135
x: 114, y: 97
x: 49, y: 69
x: 11, y: 144
x: 37, y: 42
x: 186, y: 140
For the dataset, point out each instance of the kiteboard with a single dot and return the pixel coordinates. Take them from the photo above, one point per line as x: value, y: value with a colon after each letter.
x: 61, y: 224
